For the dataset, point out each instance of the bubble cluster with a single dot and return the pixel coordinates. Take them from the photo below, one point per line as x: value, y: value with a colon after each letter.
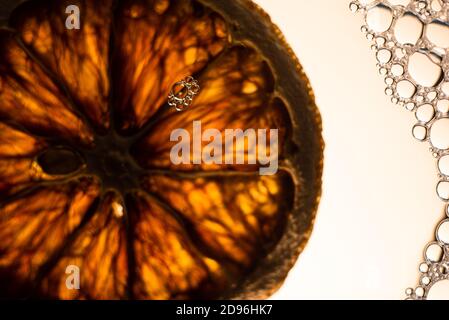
x: 411, y: 42
x: 434, y: 271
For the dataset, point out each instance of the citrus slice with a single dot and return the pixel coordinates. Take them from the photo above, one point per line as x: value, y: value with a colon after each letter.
x: 86, y: 178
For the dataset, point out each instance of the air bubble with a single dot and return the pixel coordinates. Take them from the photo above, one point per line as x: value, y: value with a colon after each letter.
x: 443, y: 165
x: 439, y: 134
x: 419, y: 292
x: 443, y: 106
x: 410, y: 106
x: 425, y: 113
x: 419, y: 132
x: 397, y: 70
x: 436, y: 5
x: 408, y: 29
x: 445, y: 88
x: 405, y: 89
x: 400, y: 53
x: 380, y: 41
x: 423, y: 267
x: 443, y: 232
x: 443, y: 190
x: 354, y: 7
x: 422, y: 5
x: 434, y: 253
x: 432, y: 95
x: 384, y: 56
x: 423, y: 70
x: 438, y: 33
x: 439, y: 291
x: 443, y: 269
x: 379, y: 18
x: 425, y: 280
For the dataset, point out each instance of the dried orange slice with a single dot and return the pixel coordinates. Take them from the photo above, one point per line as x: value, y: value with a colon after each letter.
x: 86, y: 178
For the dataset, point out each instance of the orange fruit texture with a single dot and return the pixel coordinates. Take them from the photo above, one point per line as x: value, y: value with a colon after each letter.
x: 85, y: 171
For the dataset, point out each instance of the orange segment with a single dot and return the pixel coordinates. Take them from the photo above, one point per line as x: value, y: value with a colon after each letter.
x: 159, y: 42
x: 78, y: 57
x: 100, y: 253
x: 17, y: 151
x: 35, y: 226
x: 15, y: 143
x: 30, y: 99
x: 168, y: 266
x: 236, y: 93
x: 235, y: 217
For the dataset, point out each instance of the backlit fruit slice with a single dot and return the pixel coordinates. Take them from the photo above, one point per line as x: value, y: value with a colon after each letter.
x: 87, y: 184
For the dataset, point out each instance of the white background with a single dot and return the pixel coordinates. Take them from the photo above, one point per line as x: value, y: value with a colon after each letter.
x: 379, y: 207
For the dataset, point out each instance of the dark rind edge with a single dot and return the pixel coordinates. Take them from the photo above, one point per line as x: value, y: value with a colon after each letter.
x: 270, y: 273
x: 6, y: 7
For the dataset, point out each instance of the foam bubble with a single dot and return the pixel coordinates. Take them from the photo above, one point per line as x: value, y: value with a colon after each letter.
x: 411, y: 41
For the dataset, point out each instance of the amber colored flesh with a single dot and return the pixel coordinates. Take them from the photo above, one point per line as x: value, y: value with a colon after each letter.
x: 179, y: 232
